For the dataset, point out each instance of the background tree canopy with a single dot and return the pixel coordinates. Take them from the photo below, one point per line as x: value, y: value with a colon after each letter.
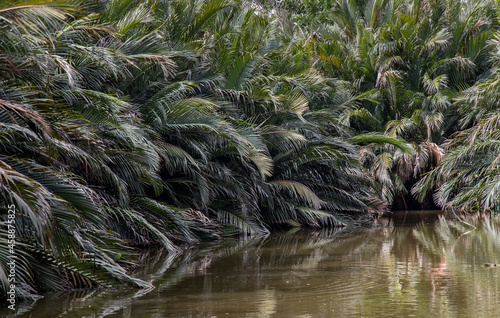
x: 132, y: 123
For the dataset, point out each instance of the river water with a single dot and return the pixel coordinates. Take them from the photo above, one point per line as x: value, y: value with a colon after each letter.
x: 428, y: 269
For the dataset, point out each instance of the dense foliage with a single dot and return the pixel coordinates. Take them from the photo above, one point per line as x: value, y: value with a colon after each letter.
x: 129, y: 123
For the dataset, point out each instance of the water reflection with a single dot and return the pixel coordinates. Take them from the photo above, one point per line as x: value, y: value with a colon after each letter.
x: 392, y: 271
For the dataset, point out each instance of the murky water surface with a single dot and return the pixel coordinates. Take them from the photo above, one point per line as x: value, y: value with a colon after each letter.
x: 422, y: 270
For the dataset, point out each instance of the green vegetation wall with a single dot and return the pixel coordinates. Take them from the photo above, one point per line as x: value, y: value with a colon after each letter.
x: 132, y: 123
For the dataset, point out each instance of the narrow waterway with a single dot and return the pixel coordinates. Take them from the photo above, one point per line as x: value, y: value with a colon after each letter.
x: 413, y: 270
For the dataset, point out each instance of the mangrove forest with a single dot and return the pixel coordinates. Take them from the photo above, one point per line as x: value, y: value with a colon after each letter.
x: 127, y: 124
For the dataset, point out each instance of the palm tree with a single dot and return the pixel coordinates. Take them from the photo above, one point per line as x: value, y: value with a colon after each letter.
x: 467, y: 178
x: 62, y: 234
x: 405, y: 62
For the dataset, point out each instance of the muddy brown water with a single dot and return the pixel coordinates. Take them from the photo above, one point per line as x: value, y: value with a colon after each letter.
x: 409, y: 269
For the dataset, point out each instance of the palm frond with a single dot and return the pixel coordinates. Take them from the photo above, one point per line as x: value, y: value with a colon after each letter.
x: 299, y: 191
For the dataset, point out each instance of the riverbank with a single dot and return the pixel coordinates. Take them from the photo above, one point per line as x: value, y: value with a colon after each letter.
x: 398, y: 270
